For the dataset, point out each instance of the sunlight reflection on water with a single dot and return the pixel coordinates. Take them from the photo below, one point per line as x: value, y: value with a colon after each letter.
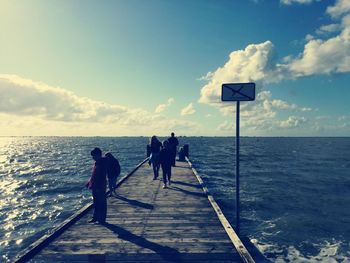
x: 286, y: 184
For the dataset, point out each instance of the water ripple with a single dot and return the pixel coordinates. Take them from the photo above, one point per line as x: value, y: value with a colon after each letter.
x: 287, y: 184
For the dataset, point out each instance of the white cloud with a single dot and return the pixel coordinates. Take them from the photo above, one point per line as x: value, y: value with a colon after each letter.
x: 341, y: 129
x: 326, y: 56
x: 255, y: 63
x: 269, y: 104
x: 290, y: 2
x: 345, y: 21
x: 280, y: 104
x: 340, y: 8
x: 226, y: 126
x: 206, y: 77
x: 343, y: 118
x: 292, y: 122
x: 258, y: 63
x: 162, y: 107
x: 34, y: 108
x: 308, y: 37
x: 26, y: 97
x: 259, y: 115
x: 325, y: 29
x: 322, y: 117
x: 178, y: 126
x: 255, y: 116
x: 188, y: 110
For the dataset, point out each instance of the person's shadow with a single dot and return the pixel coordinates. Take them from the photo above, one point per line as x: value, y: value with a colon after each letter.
x: 175, y: 188
x: 134, y: 202
x: 165, y: 252
x: 186, y: 184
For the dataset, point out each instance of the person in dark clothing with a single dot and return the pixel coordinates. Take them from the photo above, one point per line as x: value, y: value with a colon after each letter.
x: 173, y: 141
x: 165, y: 158
x: 113, y: 171
x: 154, y: 158
x: 97, y: 184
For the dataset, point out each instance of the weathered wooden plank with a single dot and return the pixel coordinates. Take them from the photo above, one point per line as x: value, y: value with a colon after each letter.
x: 150, y: 238
x: 148, y: 224
x: 147, y: 257
x: 241, y: 249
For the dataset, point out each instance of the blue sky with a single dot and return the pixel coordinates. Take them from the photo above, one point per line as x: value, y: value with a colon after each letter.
x: 151, y: 67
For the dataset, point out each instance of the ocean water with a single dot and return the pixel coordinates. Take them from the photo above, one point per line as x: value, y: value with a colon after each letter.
x: 295, y: 192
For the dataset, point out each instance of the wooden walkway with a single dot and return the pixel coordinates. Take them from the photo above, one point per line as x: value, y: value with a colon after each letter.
x: 147, y: 223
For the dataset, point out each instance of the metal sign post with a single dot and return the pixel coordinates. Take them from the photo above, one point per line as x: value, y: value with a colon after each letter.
x: 238, y: 92
x: 237, y: 166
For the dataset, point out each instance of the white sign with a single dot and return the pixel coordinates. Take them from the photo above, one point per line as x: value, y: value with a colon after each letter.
x: 238, y: 91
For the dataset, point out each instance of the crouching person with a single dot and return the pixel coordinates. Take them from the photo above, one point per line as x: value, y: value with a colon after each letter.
x: 113, y: 171
x: 97, y: 184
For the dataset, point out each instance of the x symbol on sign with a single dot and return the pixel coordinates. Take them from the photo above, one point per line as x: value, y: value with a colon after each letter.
x: 238, y: 91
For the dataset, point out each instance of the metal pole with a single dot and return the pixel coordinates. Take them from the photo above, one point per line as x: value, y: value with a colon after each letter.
x: 237, y: 168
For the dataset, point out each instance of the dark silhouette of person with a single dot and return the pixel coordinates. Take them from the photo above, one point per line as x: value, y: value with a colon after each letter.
x: 165, y: 157
x: 173, y: 141
x: 154, y: 157
x: 113, y: 171
x: 97, y: 184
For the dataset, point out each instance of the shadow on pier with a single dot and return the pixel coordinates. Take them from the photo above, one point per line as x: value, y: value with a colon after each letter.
x: 134, y: 202
x: 167, y: 253
x: 147, y: 224
x: 175, y: 188
x: 187, y: 184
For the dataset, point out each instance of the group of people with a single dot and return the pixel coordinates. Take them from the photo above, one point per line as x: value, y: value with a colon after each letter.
x: 163, y: 155
x: 104, y: 166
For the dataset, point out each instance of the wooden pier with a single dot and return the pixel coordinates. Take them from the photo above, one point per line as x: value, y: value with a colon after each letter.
x: 147, y: 223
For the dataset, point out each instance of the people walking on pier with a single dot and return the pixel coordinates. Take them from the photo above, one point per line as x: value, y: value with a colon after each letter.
x: 97, y: 184
x: 165, y: 157
x: 113, y: 171
x: 154, y: 157
x: 174, y: 142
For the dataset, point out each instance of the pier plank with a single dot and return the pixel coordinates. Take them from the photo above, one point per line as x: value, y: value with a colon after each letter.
x: 147, y: 223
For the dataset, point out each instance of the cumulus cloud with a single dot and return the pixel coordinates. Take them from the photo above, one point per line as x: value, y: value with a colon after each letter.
x: 255, y: 63
x: 290, y: 2
x: 308, y: 37
x: 257, y: 116
x: 258, y: 63
x: 161, y: 107
x: 226, y: 126
x: 28, y: 103
x: 326, y: 56
x: 260, y: 116
x: 340, y: 8
x: 283, y: 105
x: 325, y: 29
x: 292, y: 122
x: 25, y: 97
x: 188, y: 110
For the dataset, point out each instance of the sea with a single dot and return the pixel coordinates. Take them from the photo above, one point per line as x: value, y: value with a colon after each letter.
x: 295, y: 192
